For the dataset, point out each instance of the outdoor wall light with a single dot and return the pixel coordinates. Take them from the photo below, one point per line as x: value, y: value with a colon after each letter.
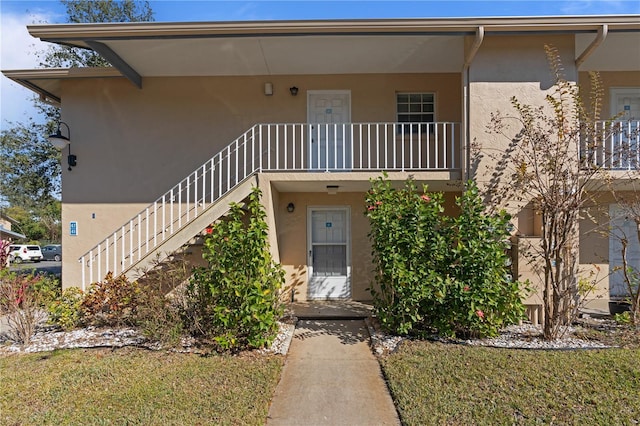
x: 268, y: 89
x: 59, y: 141
x: 293, y: 90
x: 291, y: 207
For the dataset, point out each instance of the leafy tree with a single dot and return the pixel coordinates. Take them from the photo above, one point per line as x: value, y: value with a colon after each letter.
x: 29, y: 166
x: 93, y: 11
x: 542, y: 165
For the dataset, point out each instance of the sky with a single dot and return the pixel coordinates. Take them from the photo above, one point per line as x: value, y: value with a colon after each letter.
x: 18, y: 50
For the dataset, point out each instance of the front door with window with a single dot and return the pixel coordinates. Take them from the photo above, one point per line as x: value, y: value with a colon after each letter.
x: 329, y: 137
x: 328, y: 240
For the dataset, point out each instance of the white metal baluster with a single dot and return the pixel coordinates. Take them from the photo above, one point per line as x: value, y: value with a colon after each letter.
x: 91, y: 265
x: 99, y: 263
x: 212, y: 195
x: 115, y: 253
x: 277, y: 127
x: 344, y: 142
x: 237, y: 163
x: 146, y: 225
x: 220, y: 175
x: 428, y: 146
x: 260, y: 146
x: 124, y: 253
x: 131, y: 242
x: 351, y: 164
x: 444, y: 145
x: 294, y: 141
x: 420, y: 146
x: 188, y: 199
x: 228, y: 169
x: 361, y: 147
x: 269, y: 146
x: 84, y: 265
x: 139, y: 229
x: 171, y: 212
x: 195, y: 194
x: 106, y: 254
x: 437, y: 144
x: 335, y: 145
x: 454, y: 161
x: 253, y: 149
x: 285, y: 130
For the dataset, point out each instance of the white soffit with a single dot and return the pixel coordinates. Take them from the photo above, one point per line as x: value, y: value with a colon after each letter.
x: 291, y: 55
x: 610, y: 55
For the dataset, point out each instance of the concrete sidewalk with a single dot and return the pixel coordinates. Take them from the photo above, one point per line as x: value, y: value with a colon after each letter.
x: 331, y: 378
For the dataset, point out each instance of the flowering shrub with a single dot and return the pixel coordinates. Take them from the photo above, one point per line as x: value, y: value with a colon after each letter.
x: 235, y: 299
x: 437, y: 272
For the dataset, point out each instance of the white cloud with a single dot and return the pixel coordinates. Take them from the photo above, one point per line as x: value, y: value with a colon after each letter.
x: 17, y: 51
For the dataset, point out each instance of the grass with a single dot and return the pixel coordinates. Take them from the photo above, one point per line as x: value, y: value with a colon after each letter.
x: 135, y: 386
x: 436, y: 383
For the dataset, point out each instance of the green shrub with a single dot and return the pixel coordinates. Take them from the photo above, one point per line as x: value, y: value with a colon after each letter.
x: 450, y: 274
x: 64, y: 311
x: 235, y: 300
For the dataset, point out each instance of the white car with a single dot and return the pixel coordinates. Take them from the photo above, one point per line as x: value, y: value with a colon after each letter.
x: 19, y: 253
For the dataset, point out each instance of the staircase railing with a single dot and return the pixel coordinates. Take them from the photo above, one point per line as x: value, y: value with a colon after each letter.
x: 274, y: 148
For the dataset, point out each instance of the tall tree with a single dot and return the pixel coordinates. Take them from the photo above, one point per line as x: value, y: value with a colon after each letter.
x: 29, y: 166
x: 93, y: 11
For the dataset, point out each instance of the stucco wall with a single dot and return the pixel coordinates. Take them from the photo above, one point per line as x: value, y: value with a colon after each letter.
x: 292, y: 238
x: 133, y: 145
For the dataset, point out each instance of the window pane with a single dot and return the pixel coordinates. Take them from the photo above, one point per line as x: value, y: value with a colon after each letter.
x: 415, y: 97
x: 415, y: 108
x: 403, y: 108
x: 403, y: 98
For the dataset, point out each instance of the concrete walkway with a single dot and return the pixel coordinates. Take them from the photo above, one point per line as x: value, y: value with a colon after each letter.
x: 331, y: 378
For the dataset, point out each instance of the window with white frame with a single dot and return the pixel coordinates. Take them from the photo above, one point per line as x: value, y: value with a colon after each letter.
x: 416, y: 109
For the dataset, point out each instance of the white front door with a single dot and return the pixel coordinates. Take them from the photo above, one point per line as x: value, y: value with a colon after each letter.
x: 622, y: 226
x: 329, y: 138
x: 329, y: 244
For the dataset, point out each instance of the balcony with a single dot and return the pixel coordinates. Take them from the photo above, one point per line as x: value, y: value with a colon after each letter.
x: 612, y: 145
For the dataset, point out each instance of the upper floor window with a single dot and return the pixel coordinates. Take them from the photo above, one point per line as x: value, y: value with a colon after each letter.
x: 415, y: 108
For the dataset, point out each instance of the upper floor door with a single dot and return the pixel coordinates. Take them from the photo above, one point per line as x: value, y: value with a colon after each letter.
x: 329, y: 138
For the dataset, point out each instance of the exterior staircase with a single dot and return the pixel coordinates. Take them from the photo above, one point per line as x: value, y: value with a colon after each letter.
x: 204, y: 196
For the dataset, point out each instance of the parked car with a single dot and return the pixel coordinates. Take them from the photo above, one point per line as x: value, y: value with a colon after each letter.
x: 52, y: 252
x: 20, y: 253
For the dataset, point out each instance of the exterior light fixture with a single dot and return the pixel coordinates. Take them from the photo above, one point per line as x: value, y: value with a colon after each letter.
x: 268, y: 89
x: 291, y: 207
x: 59, y: 141
x: 293, y: 90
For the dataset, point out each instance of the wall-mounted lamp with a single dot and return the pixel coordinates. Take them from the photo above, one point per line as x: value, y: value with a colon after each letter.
x: 268, y: 89
x: 291, y: 207
x: 293, y: 90
x: 59, y: 141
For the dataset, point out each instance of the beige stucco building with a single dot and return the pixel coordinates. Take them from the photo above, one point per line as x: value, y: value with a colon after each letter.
x: 193, y: 114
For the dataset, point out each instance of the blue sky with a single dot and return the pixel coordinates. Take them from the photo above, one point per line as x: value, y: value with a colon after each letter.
x: 17, y: 48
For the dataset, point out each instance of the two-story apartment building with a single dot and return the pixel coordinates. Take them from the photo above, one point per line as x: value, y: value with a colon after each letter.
x: 191, y: 115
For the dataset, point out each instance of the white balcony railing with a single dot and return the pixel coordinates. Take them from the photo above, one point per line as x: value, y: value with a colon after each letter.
x: 273, y: 148
x: 613, y: 145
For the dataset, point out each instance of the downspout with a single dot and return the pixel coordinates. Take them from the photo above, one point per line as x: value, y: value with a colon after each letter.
x: 602, y: 35
x: 466, y: 132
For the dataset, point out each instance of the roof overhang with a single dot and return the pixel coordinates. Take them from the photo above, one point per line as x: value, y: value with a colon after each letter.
x: 154, y: 49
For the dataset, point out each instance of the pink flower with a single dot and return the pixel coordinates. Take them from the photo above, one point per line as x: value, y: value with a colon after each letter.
x: 426, y: 198
x: 371, y: 208
x: 378, y: 203
x: 479, y: 313
x: 466, y: 288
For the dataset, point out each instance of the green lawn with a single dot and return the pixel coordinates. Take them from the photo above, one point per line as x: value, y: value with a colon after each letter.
x: 135, y: 386
x: 435, y: 383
